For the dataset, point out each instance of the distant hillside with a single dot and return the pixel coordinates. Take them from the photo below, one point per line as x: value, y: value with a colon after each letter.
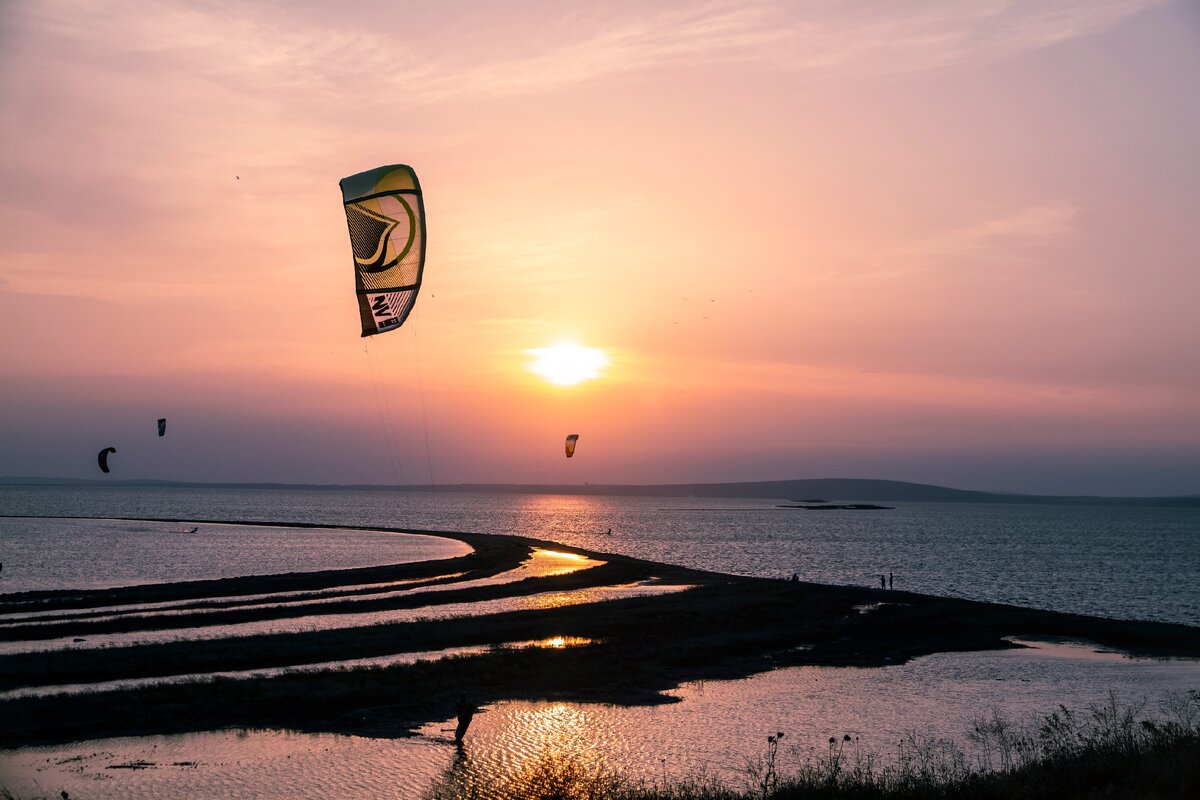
x: 828, y: 489
x: 807, y: 489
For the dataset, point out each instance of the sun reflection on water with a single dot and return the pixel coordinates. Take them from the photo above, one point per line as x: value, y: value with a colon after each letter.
x: 546, y: 563
x: 559, y: 642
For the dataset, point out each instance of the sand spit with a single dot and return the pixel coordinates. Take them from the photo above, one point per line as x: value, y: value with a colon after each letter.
x: 721, y: 626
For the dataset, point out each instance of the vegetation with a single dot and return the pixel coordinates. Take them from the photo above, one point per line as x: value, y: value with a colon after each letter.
x: 1111, y: 751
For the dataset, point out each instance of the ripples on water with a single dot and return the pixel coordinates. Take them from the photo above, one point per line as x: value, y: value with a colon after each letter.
x: 1140, y: 563
x: 192, y: 624
x: 103, y: 553
x: 554, y: 642
x: 354, y: 619
x: 718, y: 727
x: 1135, y: 563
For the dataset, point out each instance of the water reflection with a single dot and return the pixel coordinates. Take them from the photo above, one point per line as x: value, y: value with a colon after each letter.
x: 551, y: 766
x: 553, y: 516
x: 541, y: 600
x: 559, y: 642
x: 594, y: 594
x: 718, y: 726
x: 266, y: 672
x: 176, y: 607
x: 397, y: 659
x: 541, y: 563
x: 1055, y: 557
x: 715, y: 726
x: 56, y: 553
x: 544, y: 563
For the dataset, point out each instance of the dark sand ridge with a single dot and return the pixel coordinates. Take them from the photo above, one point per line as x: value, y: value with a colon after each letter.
x: 724, y: 627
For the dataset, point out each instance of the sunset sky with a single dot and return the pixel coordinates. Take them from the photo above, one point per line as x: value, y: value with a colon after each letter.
x: 949, y: 241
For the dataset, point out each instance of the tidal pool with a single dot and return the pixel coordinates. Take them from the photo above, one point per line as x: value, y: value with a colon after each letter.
x: 541, y: 563
x: 718, y: 727
x: 66, y: 553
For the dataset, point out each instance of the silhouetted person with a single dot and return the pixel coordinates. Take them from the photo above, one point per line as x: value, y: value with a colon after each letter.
x: 882, y: 582
x: 891, y: 580
x: 795, y: 577
x: 466, y: 711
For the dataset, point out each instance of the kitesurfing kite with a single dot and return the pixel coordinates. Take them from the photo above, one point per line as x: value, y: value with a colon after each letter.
x: 102, y: 458
x: 571, y: 440
x: 386, y: 218
x: 162, y: 426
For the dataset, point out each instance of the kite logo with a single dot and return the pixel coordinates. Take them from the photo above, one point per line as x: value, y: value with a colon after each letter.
x: 370, y: 235
x: 383, y: 311
x: 373, y: 236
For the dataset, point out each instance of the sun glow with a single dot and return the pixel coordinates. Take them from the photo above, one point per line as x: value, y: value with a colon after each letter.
x: 567, y: 364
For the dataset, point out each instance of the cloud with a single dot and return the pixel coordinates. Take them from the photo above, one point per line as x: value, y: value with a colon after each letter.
x: 908, y: 38
x: 1009, y: 239
x: 1005, y: 238
x: 274, y: 50
x: 816, y: 39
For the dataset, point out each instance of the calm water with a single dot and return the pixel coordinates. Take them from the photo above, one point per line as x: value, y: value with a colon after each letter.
x: 1121, y: 562
x: 1133, y: 563
x: 716, y: 728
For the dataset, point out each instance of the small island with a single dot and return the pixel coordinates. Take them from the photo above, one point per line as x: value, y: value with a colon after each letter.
x: 839, y: 507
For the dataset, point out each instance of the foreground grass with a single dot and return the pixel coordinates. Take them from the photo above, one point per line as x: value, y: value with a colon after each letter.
x: 1110, y: 751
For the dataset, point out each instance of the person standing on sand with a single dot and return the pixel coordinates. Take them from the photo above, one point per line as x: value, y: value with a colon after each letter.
x: 891, y: 581
x: 882, y: 582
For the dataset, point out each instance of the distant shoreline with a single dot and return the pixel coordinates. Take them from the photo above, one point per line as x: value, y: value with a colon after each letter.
x: 836, y: 489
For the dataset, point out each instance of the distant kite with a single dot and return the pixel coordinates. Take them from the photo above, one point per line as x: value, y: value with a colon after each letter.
x: 102, y: 458
x: 386, y: 217
x: 571, y: 440
x: 162, y: 426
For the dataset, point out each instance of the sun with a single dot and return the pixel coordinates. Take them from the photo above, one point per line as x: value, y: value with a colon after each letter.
x: 567, y: 363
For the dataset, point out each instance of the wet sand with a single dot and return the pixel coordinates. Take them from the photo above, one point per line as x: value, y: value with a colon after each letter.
x: 723, y: 626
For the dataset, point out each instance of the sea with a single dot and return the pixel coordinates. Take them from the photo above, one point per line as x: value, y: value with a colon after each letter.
x: 1123, y: 562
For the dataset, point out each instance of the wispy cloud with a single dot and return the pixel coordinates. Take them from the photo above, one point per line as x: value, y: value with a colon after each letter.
x: 1011, y: 238
x: 900, y: 38
x: 1006, y: 237
x: 272, y: 49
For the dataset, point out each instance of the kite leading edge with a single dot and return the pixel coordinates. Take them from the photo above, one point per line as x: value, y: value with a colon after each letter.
x: 386, y: 218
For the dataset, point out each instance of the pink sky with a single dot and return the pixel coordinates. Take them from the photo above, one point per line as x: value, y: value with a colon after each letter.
x: 948, y: 242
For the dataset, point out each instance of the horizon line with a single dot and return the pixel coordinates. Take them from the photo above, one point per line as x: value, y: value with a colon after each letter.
x: 920, y: 492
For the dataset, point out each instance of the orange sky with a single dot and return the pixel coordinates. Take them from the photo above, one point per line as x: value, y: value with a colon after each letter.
x: 934, y: 241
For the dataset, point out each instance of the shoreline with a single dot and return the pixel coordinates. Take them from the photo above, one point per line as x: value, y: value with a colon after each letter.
x: 723, y: 627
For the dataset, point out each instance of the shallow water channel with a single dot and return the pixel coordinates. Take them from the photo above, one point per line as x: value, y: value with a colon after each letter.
x: 540, y: 564
x: 716, y: 727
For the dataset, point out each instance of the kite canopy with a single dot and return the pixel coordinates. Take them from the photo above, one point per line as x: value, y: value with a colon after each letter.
x: 386, y: 218
x: 102, y: 458
x: 571, y: 440
x: 162, y: 427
